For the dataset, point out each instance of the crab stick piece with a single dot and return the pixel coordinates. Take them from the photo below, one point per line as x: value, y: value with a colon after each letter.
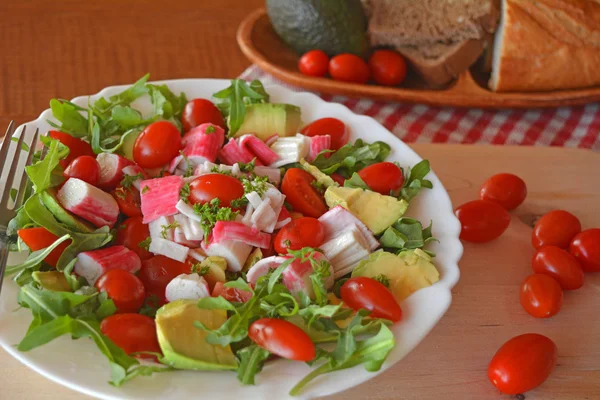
x: 93, y: 264
x: 89, y: 202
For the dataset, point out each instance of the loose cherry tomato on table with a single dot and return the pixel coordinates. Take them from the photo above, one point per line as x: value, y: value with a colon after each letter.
x: 523, y: 363
x: 314, y: 63
x: 541, y: 296
x: 282, y: 338
x: 157, y: 272
x: 585, y: 247
x: 557, y: 228
x: 560, y: 265
x: 132, y: 332
x: 383, y: 177
x: 207, y: 187
x: 328, y: 126
x: 77, y: 147
x: 200, y: 111
x: 231, y: 294
x: 158, y: 144
x: 482, y: 221
x: 131, y: 233
x: 299, y: 191
x: 301, y: 232
x: 39, y: 238
x: 349, y: 68
x: 388, y: 67
x: 508, y: 190
x: 125, y: 289
x: 367, y: 293
x: 129, y: 201
x: 85, y: 168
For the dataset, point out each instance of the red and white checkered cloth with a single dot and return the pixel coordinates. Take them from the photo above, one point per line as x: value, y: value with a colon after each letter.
x: 564, y: 126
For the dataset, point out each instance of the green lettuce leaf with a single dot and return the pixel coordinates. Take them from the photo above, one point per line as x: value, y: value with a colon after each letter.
x: 47, y: 172
x: 352, y: 157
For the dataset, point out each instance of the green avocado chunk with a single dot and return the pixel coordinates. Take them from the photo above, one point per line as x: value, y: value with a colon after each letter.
x: 128, y: 143
x: 322, y: 179
x: 52, y: 280
x: 407, y: 272
x: 72, y: 222
x: 184, y: 346
x: 267, y: 119
x: 378, y: 212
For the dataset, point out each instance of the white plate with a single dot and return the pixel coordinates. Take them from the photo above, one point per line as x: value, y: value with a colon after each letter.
x: 80, y: 366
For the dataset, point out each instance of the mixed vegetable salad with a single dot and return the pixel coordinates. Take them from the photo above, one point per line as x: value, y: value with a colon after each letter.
x: 211, y: 235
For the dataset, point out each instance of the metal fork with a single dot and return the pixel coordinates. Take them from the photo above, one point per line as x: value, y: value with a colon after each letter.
x: 11, y: 161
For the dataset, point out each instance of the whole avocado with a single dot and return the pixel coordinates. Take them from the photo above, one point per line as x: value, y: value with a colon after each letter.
x: 334, y: 26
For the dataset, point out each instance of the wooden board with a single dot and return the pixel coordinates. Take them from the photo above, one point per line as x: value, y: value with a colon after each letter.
x: 451, y: 362
x: 262, y: 46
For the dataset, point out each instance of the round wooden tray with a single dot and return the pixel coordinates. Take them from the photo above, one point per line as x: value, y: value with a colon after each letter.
x: 262, y: 46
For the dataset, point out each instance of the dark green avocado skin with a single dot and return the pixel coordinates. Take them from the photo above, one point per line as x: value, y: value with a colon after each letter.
x: 334, y: 26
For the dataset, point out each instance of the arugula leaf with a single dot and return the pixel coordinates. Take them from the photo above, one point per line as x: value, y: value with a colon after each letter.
x: 127, y: 96
x: 356, y: 182
x: 150, y: 306
x: 239, y: 284
x: 128, y: 117
x: 313, y: 312
x: 36, y: 257
x: 74, y: 282
x: 215, y: 303
x: 236, y: 97
x: 165, y: 103
x: 47, y: 172
x: 352, y: 157
x: 406, y: 234
x: 72, y: 122
x: 251, y: 361
x: 414, y: 180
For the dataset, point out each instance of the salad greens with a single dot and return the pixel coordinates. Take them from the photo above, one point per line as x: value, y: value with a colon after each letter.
x: 233, y: 100
x: 352, y: 157
x: 406, y: 234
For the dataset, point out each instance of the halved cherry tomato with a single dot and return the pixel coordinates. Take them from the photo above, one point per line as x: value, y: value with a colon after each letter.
x: 383, y: 177
x: 523, y: 363
x: 557, y: 228
x: 210, y: 186
x: 299, y: 191
x: 231, y: 294
x: 282, y: 338
x: 508, y: 190
x: 560, y: 265
x: 77, y: 147
x: 388, y: 67
x: 132, y: 332
x: 328, y: 126
x: 124, y: 288
x: 338, y: 178
x: 482, y: 221
x: 129, y: 201
x: 39, y: 238
x: 158, y: 144
x: 85, y: 168
x: 585, y: 247
x: 301, y: 232
x: 541, y: 296
x: 367, y: 293
x: 158, y: 271
x: 314, y: 63
x: 349, y: 68
x: 200, y: 111
x: 130, y: 233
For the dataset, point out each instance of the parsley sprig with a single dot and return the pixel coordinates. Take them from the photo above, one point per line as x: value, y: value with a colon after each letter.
x: 211, y: 212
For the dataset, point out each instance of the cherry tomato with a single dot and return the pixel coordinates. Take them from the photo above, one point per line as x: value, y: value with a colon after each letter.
x: 560, y: 265
x: 130, y: 233
x: 231, y: 294
x: 128, y: 200
x: 523, y: 363
x: 585, y: 247
x: 339, y: 179
x: 383, y: 177
x: 132, y: 332
x: 77, y: 147
x: 124, y: 288
x: 39, y: 238
x: 388, y: 67
x: 482, y: 221
x: 85, y: 168
x: 557, y: 228
x: 314, y: 63
x: 299, y: 191
x: 282, y: 338
x: 328, y: 126
x: 508, y: 190
x: 541, y: 296
x: 158, y: 271
x: 367, y: 293
x: 200, y: 111
x: 349, y: 68
x: 210, y: 186
x: 158, y: 144
x: 301, y: 232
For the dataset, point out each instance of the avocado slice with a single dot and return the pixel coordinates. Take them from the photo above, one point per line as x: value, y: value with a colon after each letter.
x: 71, y: 221
x: 322, y: 179
x: 267, y: 119
x: 127, y: 146
x: 184, y: 346
x: 376, y: 211
x: 253, y: 258
x: 334, y: 26
x: 52, y: 280
x: 216, y: 270
x: 408, y: 271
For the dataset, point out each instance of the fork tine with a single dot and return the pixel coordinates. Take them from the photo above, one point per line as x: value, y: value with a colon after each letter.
x: 6, y: 144
x: 24, y: 177
x: 12, y: 170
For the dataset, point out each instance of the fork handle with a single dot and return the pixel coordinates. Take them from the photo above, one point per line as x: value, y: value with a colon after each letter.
x: 4, y: 244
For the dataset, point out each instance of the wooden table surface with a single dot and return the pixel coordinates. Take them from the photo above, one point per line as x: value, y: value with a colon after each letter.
x: 68, y: 48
